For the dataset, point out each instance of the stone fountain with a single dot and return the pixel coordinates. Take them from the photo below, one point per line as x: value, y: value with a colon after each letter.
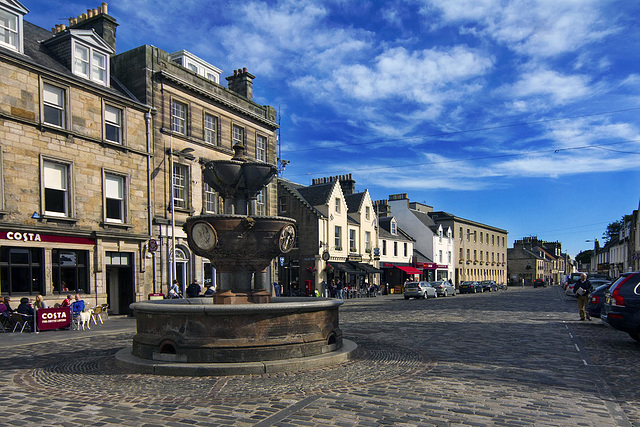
x: 242, y: 329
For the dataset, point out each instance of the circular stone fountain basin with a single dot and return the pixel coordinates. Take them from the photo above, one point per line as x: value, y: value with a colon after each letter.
x: 195, y: 330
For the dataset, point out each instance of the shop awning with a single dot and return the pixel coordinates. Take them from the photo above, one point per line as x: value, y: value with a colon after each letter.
x: 409, y: 270
x: 347, y: 268
x: 367, y: 268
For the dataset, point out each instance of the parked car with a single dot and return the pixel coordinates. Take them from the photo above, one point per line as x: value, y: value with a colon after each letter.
x: 596, y: 300
x: 419, y: 290
x: 470, y: 287
x: 443, y: 288
x: 622, y: 305
x: 489, y: 285
x: 539, y: 283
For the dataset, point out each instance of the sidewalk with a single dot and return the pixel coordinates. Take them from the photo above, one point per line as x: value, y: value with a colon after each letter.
x: 113, y: 325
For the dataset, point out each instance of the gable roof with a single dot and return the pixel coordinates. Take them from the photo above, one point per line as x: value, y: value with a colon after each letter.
x: 15, y: 6
x: 294, y: 189
x: 354, y: 201
x: 318, y: 194
x: 89, y: 37
x: 423, y: 217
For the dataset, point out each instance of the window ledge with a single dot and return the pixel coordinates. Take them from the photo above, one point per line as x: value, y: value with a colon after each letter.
x: 49, y: 218
x: 116, y: 225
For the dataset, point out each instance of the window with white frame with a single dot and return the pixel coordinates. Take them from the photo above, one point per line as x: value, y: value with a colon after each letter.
x: 440, y: 256
x: 179, y: 117
x: 112, y: 124
x: 352, y: 240
x: 460, y: 254
x: 56, y: 189
x: 384, y: 247
x: 89, y: 63
x: 395, y: 249
x: 237, y: 135
x: 367, y: 241
x: 338, y: 237
x: 337, y: 203
x: 53, y: 105
x: 406, y: 247
x: 9, y: 30
x: 210, y: 129
x: 394, y: 228
x: 283, y: 204
x: 449, y: 257
x: 261, y: 148
x: 367, y: 213
x: 180, y: 188
x: 210, y: 199
x: 260, y: 203
x: 114, y: 198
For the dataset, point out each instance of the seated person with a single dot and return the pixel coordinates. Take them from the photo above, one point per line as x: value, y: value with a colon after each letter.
x: 25, y: 307
x: 77, y: 306
x: 40, y: 302
x: 3, y: 307
x: 210, y: 291
x: 7, y: 300
x: 66, y: 302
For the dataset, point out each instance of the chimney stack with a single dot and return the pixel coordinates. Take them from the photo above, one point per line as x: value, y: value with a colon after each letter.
x: 242, y: 83
x: 98, y: 20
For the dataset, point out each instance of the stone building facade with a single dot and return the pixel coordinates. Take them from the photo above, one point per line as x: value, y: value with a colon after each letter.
x: 337, y: 235
x: 532, y: 258
x: 73, y: 161
x: 194, y: 120
x: 480, y: 250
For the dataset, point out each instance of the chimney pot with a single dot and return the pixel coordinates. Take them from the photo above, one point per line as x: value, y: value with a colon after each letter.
x: 104, y: 8
x: 244, y: 69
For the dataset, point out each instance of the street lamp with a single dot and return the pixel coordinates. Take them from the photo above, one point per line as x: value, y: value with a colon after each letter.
x: 181, y: 154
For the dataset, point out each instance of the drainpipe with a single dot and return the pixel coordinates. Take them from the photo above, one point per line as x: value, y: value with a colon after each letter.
x: 147, y: 119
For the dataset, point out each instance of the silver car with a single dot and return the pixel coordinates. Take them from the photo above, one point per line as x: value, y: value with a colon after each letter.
x: 443, y: 288
x: 419, y: 290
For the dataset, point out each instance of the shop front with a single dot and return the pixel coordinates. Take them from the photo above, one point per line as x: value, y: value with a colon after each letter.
x: 433, y: 271
x: 394, y: 275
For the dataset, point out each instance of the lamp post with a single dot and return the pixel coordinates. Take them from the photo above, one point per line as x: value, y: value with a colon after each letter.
x: 181, y: 154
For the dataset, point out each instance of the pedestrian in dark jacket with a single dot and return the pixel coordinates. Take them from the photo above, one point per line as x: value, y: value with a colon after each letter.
x: 194, y: 289
x: 582, y: 289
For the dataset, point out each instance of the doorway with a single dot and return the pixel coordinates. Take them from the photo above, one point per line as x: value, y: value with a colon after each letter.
x: 119, y: 282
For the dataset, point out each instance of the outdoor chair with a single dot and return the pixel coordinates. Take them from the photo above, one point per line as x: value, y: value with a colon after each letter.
x: 105, y: 310
x: 20, y: 322
x: 5, y: 322
x: 95, y: 313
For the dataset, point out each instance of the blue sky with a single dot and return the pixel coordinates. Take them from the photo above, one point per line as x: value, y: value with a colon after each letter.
x: 518, y: 114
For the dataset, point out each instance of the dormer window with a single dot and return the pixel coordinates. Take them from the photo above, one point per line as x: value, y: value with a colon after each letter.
x: 11, y: 25
x: 394, y: 228
x: 197, y: 65
x: 89, y: 63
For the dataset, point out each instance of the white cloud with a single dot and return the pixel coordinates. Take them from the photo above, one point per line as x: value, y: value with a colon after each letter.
x: 539, y: 28
x: 543, y: 82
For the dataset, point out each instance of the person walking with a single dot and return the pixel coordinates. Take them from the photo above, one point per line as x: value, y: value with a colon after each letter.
x: 339, y: 288
x: 582, y: 289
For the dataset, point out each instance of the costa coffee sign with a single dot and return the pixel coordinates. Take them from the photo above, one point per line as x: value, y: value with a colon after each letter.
x: 53, y: 318
x: 25, y: 236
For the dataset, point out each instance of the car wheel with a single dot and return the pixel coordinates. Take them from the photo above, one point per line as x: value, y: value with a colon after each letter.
x: 446, y: 293
x: 635, y: 336
x: 475, y: 291
x: 435, y: 295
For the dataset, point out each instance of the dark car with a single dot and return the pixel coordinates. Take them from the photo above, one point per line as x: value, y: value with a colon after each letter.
x: 539, y: 282
x: 621, y: 308
x: 470, y: 287
x: 596, y: 300
x: 489, y: 285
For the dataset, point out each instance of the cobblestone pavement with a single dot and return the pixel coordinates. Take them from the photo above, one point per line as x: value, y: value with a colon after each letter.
x: 514, y: 358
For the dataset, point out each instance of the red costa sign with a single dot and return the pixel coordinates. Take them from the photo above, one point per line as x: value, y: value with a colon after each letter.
x: 24, y: 236
x: 53, y: 318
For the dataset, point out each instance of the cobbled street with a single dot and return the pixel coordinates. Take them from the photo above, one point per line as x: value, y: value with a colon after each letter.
x: 516, y: 358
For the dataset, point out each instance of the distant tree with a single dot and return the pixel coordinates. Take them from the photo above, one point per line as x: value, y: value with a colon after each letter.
x: 613, y: 229
x: 584, y: 257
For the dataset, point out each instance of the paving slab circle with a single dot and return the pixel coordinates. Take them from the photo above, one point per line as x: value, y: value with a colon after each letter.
x: 514, y: 358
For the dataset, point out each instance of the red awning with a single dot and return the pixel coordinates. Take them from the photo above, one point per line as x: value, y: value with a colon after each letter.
x: 409, y: 270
